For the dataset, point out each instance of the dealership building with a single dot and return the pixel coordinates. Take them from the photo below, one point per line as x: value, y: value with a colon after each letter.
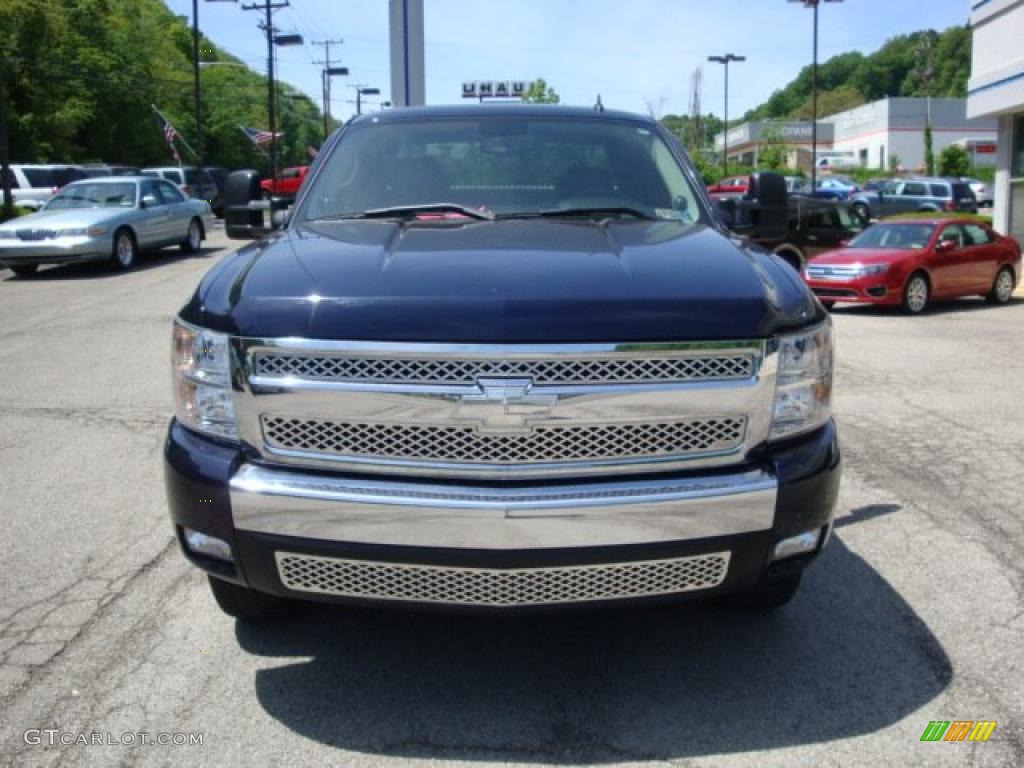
x: 888, y: 133
x: 996, y: 92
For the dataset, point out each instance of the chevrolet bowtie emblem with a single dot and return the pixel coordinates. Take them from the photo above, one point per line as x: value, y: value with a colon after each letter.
x: 504, y: 405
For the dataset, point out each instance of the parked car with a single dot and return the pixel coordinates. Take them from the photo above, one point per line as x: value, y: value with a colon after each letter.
x: 797, y: 185
x: 455, y: 381
x: 104, y: 219
x: 94, y: 170
x: 913, y: 262
x: 220, y: 178
x: 287, y: 184
x: 873, y: 185
x: 33, y: 185
x: 982, y: 192
x: 931, y: 194
x: 815, y: 226
x: 187, y: 177
x: 835, y: 188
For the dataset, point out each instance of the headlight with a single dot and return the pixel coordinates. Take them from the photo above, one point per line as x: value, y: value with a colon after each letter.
x: 873, y: 269
x: 201, y: 361
x: 803, y: 384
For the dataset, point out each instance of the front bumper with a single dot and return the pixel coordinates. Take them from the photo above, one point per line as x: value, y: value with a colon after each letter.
x: 65, y: 250
x: 330, y: 537
x: 874, y: 289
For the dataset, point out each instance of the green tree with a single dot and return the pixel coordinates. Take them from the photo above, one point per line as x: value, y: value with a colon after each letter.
x: 540, y: 92
x: 954, y: 161
x: 773, y: 151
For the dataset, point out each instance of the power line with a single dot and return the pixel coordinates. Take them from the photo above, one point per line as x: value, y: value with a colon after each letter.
x: 267, y: 25
x: 325, y: 78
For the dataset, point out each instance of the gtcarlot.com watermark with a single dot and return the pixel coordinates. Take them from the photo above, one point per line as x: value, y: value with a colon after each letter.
x: 54, y: 737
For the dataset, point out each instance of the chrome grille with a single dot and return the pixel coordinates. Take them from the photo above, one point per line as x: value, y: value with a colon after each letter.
x: 836, y: 272
x: 451, y: 443
x: 500, y: 587
x: 466, y: 371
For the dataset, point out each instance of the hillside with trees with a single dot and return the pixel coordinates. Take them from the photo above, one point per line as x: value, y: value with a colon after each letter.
x: 926, y: 63
x: 80, y: 76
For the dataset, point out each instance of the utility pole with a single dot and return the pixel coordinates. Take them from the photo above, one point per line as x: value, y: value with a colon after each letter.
x: 814, y: 90
x: 725, y: 128
x: 5, y: 171
x: 267, y: 25
x: 198, y: 102
x: 325, y: 76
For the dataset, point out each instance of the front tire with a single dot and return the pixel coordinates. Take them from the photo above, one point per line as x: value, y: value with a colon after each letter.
x: 792, y: 256
x: 1002, y: 287
x: 244, y: 603
x: 862, y: 212
x: 125, y: 250
x: 24, y: 270
x: 916, y: 294
x: 194, y: 239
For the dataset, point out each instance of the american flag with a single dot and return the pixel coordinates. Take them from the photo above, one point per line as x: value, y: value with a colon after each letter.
x: 169, y: 134
x: 258, y: 137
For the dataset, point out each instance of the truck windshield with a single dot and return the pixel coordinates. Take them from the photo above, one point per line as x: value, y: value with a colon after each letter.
x: 506, y: 166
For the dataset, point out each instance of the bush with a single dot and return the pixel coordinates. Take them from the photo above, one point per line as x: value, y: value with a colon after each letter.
x: 954, y: 161
x: 17, y: 212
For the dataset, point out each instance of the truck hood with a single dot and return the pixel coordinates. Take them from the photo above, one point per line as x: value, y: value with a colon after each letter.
x: 502, y: 282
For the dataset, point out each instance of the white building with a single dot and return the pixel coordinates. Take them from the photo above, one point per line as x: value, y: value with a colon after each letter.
x: 880, y: 135
x: 890, y: 132
x: 996, y: 90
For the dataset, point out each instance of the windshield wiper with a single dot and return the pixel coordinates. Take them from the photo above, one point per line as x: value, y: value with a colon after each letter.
x: 604, y: 211
x: 402, y: 211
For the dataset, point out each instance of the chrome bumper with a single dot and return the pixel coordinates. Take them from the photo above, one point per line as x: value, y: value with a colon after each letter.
x: 54, y: 251
x: 369, y: 511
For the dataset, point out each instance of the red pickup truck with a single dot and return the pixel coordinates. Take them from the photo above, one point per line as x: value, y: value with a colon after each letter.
x: 287, y: 184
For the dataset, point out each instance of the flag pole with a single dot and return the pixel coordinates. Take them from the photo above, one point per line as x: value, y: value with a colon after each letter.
x: 178, y: 135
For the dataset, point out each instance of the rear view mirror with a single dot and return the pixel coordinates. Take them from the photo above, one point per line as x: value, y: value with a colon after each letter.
x: 148, y: 201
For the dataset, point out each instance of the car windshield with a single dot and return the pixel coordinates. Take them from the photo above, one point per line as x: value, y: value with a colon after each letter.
x: 898, y: 236
x: 94, y: 196
x: 506, y: 166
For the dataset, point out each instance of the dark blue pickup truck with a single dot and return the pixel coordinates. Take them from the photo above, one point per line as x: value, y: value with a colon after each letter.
x: 501, y: 357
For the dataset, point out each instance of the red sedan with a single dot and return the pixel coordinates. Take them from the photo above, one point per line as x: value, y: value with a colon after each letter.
x: 913, y: 262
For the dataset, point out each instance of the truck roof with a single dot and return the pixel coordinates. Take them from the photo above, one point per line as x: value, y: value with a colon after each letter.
x: 502, y: 110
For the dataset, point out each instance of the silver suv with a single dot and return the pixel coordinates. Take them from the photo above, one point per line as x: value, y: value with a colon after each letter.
x: 911, y: 195
x: 33, y: 185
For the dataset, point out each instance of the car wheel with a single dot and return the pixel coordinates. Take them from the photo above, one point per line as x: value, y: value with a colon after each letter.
x: 194, y: 239
x: 916, y: 294
x: 1002, y: 287
x: 24, y: 270
x: 862, y: 212
x: 772, y: 591
x: 125, y: 250
x: 244, y: 603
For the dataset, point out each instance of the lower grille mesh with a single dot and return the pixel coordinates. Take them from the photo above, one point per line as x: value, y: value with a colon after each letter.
x: 500, y: 588
x: 466, y: 444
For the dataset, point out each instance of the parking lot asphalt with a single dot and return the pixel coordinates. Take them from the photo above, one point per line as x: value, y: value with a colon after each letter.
x: 914, y: 612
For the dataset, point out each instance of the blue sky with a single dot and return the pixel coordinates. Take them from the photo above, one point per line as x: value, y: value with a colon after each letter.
x: 638, y: 54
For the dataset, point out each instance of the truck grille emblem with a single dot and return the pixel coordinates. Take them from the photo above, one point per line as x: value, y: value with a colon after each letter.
x: 504, y: 405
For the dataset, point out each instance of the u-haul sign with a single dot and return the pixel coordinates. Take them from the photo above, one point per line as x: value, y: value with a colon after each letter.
x: 495, y: 89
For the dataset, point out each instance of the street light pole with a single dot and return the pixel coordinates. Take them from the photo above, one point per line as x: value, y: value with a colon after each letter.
x: 198, y: 100
x: 725, y: 128
x: 813, y: 4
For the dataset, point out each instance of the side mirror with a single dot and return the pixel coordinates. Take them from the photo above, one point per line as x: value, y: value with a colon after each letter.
x: 944, y: 246
x: 726, y: 210
x: 148, y: 201
x: 279, y: 219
